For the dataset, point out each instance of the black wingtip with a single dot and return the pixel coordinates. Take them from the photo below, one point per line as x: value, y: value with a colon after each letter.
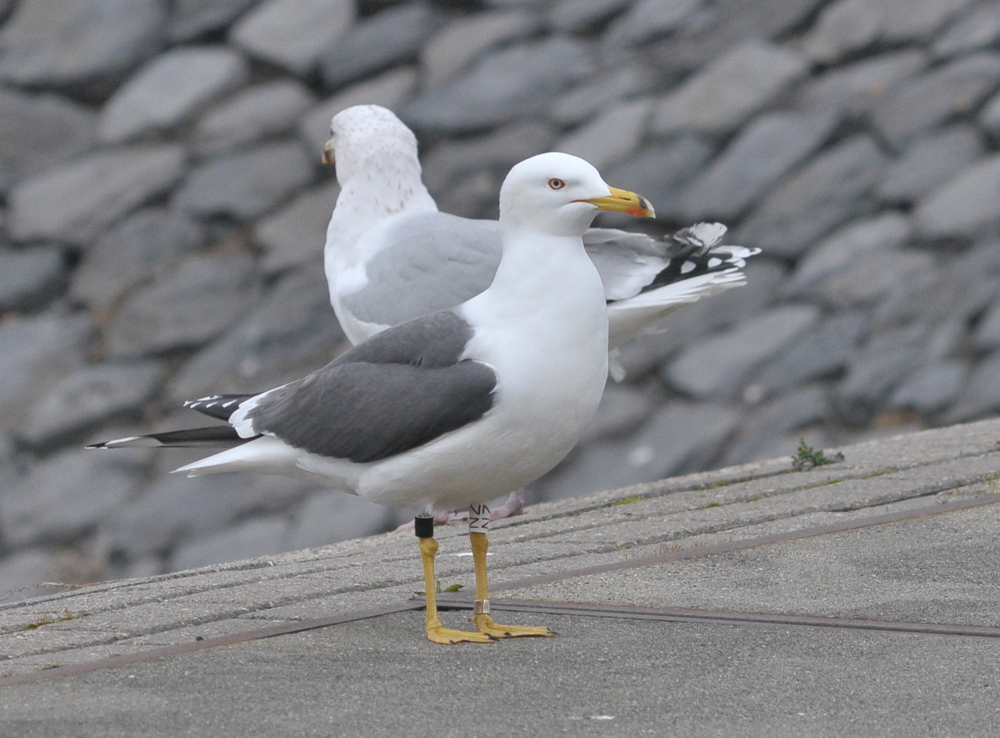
x: 216, y: 435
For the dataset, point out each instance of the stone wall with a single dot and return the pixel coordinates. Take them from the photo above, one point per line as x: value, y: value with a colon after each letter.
x: 164, y: 211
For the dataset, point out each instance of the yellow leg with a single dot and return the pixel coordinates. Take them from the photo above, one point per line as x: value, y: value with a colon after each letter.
x: 435, y: 631
x: 483, y: 620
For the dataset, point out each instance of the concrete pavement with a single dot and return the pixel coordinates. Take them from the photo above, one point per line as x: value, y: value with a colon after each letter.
x: 858, y: 598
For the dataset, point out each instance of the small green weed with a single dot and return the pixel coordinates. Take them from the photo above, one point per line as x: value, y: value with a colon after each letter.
x: 438, y: 590
x: 626, y: 501
x: 66, y: 615
x: 809, y: 457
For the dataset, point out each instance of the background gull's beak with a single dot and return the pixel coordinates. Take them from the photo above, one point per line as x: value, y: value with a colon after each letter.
x: 328, y: 157
x: 623, y: 201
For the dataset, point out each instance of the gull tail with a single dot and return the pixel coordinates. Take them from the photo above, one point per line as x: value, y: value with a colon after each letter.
x: 216, y: 435
x: 698, y: 267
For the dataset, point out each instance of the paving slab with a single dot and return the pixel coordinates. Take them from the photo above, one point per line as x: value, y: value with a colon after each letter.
x: 599, y: 677
x: 857, y: 598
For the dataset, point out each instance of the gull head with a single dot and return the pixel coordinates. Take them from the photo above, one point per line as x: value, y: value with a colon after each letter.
x: 559, y: 194
x: 370, y: 139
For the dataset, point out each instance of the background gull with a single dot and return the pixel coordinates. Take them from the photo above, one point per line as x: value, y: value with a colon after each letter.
x: 391, y: 255
x: 456, y: 407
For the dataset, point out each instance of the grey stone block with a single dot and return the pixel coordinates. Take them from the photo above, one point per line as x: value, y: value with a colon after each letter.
x: 575, y: 16
x: 611, y: 136
x: 64, y: 496
x: 642, y: 355
x: 980, y: 395
x: 603, y: 89
x: 380, y: 41
x: 725, y: 25
x: 175, y: 508
x: 973, y: 31
x: 40, y: 131
x: 464, y: 39
x: 30, y: 277
x: 91, y: 395
x: 73, y: 203
x: 856, y: 88
x: 328, y: 517
x: 816, y: 354
x: 837, y: 252
x: 465, y: 175
x: 622, y: 410
x: 185, y: 306
x: 505, y: 85
x: 258, y: 112
x: 931, y: 388
x: 93, y: 43
x: 290, y: 333
x: 874, y: 277
x: 929, y: 162
x: 874, y: 370
x: 852, y: 25
x: 601, y: 465
x: 989, y: 118
x: 831, y: 188
x: 965, y: 205
x: 454, y: 160
x: 716, y: 366
x: 778, y: 419
x: 132, y: 252
x: 34, y: 353
x: 293, y: 33
x: 390, y: 90
x: 721, y: 96
x: 962, y: 286
x: 662, y: 173
x: 762, y: 152
x: 295, y: 235
x: 986, y: 336
x: 247, y: 184
x: 647, y: 19
x: 191, y: 19
x: 932, y: 98
x: 680, y: 436
x: 170, y: 90
x: 22, y: 573
x: 249, y: 539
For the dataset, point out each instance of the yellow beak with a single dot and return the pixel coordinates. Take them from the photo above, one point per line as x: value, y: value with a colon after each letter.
x: 328, y: 157
x: 623, y: 201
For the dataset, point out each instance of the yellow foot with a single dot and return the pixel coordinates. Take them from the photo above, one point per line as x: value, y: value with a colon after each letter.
x: 484, y: 623
x: 449, y: 637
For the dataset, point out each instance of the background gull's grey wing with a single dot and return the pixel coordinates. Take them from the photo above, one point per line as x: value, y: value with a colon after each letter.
x: 627, y: 262
x: 399, y: 390
x: 433, y: 261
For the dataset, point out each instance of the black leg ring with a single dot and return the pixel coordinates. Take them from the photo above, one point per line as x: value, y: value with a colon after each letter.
x: 423, y: 526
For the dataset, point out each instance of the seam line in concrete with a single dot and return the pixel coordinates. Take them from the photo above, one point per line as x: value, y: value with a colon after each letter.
x: 675, y: 614
x: 739, y: 545
x: 226, y: 640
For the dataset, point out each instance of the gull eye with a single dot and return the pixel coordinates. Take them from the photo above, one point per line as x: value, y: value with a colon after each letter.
x: 556, y: 184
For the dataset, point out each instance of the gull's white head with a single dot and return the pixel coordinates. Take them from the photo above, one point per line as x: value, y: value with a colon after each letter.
x: 370, y: 139
x: 560, y: 195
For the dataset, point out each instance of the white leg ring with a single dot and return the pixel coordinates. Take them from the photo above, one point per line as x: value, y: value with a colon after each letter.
x: 479, y: 518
